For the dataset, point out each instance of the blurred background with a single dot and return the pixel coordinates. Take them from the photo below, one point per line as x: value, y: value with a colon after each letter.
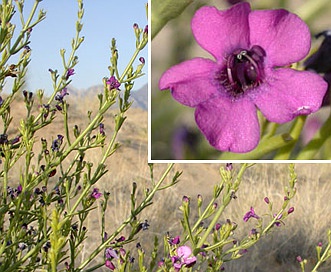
x: 174, y: 133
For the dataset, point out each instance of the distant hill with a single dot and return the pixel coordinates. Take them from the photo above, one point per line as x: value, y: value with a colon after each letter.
x: 139, y: 96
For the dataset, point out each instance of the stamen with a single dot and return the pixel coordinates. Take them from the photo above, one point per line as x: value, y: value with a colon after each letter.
x: 243, y: 71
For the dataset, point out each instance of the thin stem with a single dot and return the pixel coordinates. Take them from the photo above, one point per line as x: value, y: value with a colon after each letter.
x: 221, y: 209
x: 323, y: 258
x: 129, y: 219
x: 66, y: 126
x: 135, y: 54
x: 284, y: 153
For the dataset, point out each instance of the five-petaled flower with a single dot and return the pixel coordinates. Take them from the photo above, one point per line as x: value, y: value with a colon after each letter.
x: 253, y: 51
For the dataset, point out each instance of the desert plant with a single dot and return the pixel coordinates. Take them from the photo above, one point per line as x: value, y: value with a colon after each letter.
x: 50, y: 187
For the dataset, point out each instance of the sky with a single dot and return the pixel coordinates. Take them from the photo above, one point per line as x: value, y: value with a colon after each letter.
x: 103, y: 20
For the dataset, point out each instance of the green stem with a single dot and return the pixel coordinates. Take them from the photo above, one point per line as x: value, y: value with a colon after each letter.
x: 26, y: 27
x: 204, y: 214
x: 121, y: 79
x: 284, y: 153
x: 323, y: 258
x: 310, y: 150
x: 271, y: 130
x: 128, y: 220
x: 66, y: 126
x: 134, y: 56
x: 221, y: 209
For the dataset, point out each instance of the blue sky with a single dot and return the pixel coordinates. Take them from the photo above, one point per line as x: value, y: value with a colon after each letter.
x: 103, y: 20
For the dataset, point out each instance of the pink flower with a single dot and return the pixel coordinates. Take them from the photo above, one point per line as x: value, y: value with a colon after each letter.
x: 113, y: 83
x: 95, y: 193
x: 183, y: 258
x: 110, y: 265
x: 253, y: 51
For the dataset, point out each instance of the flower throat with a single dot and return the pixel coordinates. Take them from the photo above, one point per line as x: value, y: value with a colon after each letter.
x: 243, y: 70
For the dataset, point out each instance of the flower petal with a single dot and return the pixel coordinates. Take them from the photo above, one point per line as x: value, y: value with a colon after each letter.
x: 184, y: 251
x: 289, y: 93
x: 283, y: 35
x: 190, y: 81
x: 221, y: 32
x: 229, y: 125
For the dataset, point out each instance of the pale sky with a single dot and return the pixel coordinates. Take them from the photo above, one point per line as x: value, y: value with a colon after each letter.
x: 103, y: 20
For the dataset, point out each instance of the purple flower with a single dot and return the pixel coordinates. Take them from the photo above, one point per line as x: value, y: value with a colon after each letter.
x: 242, y: 251
x: 253, y: 232
x: 96, y: 194
x: 186, y: 199
x: 57, y: 143
x: 61, y: 95
x: 160, y: 263
x: 143, y: 226
x: 183, y: 258
x: 15, y: 140
x: 142, y: 60
x: 70, y: 72
x: 299, y: 259
x: 102, y: 129
x: 290, y: 210
x: 184, y: 142
x: 174, y: 241
x: 111, y: 253
x: 250, y: 214
x: 110, y: 265
x: 229, y: 167
x: 253, y: 51
x: 113, y: 83
x: 120, y: 239
x: 3, y: 138
x: 19, y: 189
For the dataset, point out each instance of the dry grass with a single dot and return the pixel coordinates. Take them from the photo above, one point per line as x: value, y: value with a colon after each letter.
x: 299, y: 236
x: 302, y: 231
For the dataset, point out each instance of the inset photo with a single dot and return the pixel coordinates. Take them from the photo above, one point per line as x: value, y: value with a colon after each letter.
x: 240, y: 80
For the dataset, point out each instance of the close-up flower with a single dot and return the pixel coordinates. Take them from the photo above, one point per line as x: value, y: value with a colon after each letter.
x: 253, y: 52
